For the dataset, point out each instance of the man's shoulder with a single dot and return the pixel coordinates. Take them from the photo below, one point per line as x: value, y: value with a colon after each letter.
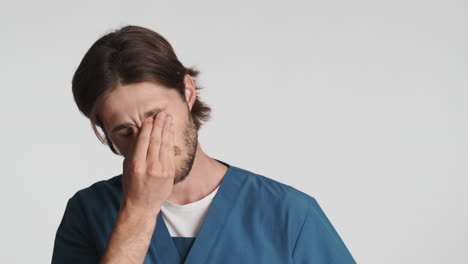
x: 289, y: 205
x: 99, y: 190
x: 275, y: 190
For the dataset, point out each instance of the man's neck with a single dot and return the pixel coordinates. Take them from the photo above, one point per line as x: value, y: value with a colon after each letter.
x: 204, y: 177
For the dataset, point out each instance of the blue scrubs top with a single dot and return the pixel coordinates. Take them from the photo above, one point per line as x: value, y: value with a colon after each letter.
x: 252, y: 219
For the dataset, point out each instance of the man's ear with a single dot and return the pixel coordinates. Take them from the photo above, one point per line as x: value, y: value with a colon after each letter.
x: 190, y: 91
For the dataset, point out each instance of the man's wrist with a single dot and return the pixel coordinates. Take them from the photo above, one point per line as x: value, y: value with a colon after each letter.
x: 136, y: 212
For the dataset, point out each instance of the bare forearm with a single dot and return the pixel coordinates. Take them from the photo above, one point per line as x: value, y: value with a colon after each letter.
x: 131, y: 236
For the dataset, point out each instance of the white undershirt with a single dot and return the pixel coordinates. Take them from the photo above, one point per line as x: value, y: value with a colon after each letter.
x: 184, y: 220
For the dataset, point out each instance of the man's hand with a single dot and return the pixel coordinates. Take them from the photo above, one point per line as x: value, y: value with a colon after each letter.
x: 147, y: 182
x: 149, y: 171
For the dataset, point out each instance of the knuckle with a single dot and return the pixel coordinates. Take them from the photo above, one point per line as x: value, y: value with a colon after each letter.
x: 153, y: 170
x: 137, y: 167
x: 164, y: 173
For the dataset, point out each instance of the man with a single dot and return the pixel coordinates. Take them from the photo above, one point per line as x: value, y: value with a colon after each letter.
x: 173, y: 203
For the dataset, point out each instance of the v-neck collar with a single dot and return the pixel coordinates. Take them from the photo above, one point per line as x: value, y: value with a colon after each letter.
x: 165, y: 250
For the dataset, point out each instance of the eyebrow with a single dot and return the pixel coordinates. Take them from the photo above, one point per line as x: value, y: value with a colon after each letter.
x: 147, y: 114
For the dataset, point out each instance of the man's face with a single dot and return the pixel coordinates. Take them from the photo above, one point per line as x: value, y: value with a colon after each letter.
x: 123, y: 111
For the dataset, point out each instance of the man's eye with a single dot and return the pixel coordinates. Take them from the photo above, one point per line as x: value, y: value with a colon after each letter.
x: 127, y: 135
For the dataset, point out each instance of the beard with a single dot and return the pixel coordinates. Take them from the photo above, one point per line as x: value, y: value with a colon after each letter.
x: 190, y: 136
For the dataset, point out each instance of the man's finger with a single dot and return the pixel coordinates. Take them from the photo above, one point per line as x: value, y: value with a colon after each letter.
x: 155, y: 138
x: 166, y: 145
x: 142, y: 141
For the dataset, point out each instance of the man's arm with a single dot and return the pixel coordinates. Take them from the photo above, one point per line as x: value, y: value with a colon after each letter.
x: 147, y: 181
x: 131, y: 236
x: 128, y: 243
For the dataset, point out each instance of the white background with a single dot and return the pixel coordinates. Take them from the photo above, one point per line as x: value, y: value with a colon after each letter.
x: 361, y: 104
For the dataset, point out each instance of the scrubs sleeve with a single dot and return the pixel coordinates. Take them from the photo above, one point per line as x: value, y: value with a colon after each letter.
x: 318, y: 241
x: 72, y: 242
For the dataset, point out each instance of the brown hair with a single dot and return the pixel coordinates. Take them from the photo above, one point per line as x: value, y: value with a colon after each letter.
x: 128, y: 55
